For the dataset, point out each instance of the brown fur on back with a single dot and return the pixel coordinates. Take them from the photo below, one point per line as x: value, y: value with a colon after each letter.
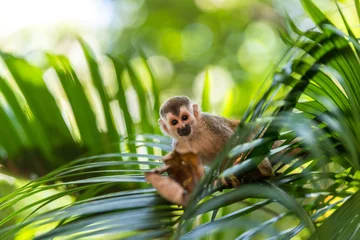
x: 217, y: 124
x: 210, y: 136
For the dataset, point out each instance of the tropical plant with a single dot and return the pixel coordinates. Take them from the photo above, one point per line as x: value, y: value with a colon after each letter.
x: 311, y: 104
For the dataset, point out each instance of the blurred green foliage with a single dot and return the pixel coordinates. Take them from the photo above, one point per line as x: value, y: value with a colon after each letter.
x: 236, y: 39
x: 218, y: 53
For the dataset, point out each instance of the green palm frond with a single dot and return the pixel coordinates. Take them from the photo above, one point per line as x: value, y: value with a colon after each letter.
x: 311, y: 108
x: 37, y: 125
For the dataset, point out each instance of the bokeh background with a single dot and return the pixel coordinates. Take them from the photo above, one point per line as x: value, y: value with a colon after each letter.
x: 236, y: 40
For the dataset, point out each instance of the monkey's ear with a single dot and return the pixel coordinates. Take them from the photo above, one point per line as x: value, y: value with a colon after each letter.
x: 196, y: 111
x: 163, y: 126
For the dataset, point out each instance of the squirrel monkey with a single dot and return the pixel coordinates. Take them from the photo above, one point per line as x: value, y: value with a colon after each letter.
x: 207, y: 134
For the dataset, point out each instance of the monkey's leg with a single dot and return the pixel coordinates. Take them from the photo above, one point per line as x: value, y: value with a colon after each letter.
x: 265, y: 168
x: 161, y: 169
x: 168, y: 188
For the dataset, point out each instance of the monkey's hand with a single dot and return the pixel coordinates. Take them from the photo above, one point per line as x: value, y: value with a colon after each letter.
x: 263, y: 170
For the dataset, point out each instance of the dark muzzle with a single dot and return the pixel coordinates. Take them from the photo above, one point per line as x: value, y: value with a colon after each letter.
x: 184, y: 131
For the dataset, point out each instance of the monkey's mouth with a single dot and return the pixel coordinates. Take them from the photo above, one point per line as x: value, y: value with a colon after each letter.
x: 185, y: 131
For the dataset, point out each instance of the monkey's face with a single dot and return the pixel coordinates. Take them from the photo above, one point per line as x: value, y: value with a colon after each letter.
x: 180, y: 125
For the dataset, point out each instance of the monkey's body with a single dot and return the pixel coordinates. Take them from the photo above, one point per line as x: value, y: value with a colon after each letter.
x: 205, y: 133
x: 210, y: 137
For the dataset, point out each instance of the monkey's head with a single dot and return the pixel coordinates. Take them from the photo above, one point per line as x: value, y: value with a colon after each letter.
x: 178, y: 116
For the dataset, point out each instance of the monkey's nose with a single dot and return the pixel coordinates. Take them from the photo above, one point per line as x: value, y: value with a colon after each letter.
x: 185, y: 131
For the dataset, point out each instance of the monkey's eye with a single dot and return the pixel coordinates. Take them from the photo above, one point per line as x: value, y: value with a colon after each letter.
x: 174, y: 122
x: 185, y: 117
